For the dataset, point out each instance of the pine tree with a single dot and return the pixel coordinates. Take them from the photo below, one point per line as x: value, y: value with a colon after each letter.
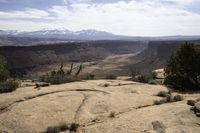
x: 183, y: 69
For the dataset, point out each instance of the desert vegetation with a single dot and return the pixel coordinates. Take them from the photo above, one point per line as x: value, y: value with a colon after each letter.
x: 137, y: 76
x: 163, y: 93
x: 62, y: 127
x: 6, y: 85
x: 195, y: 106
x: 60, y: 76
x: 167, y: 98
x: 112, y: 114
x: 183, y: 69
x: 94, y: 104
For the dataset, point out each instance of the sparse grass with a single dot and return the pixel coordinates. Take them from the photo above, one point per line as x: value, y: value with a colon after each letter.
x: 169, y: 99
x: 57, y: 129
x: 53, y: 130
x: 63, y: 126
x: 106, y: 85
x: 73, y: 127
x: 162, y: 94
x: 59, y: 78
x: 112, y: 114
x: 177, y: 98
x: 191, y: 102
x: 158, y: 102
x: 8, y: 86
x: 111, y: 76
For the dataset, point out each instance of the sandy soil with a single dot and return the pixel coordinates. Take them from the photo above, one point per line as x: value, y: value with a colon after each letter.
x: 90, y: 103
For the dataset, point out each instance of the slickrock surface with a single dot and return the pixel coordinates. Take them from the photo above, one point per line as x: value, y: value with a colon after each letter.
x: 90, y: 103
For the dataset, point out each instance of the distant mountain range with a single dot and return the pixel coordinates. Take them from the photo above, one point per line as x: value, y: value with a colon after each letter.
x: 85, y: 35
x: 66, y: 34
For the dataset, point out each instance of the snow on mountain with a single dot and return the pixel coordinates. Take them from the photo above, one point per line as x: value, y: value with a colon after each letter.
x: 8, y: 32
x: 63, y: 34
x: 90, y: 34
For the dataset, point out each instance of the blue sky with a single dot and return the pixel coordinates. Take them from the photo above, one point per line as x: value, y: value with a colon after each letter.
x: 125, y: 17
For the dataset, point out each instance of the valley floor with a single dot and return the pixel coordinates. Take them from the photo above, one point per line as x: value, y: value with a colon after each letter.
x: 91, y: 103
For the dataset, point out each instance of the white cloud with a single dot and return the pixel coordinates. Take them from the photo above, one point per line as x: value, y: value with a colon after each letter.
x: 75, y: 1
x: 144, y: 17
x: 27, y: 13
x: 183, y: 2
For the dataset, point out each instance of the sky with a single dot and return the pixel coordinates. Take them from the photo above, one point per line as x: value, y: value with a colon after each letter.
x: 123, y: 17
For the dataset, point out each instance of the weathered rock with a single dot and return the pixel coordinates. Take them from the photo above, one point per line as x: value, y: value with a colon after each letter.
x: 89, y: 104
x: 158, y: 74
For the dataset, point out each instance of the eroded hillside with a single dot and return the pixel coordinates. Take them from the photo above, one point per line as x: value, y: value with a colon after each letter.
x: 155, y: 56
x: 24, y: 59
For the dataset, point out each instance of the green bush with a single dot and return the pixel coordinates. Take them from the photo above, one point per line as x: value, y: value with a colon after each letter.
x: 8, y: 86
x: 191, y: 102
x: 169, y: 99
x: 177, y: 98
x: 183, y: 69
x: 163, y: 94
x: 4, y: 73
x: 73, y: 127
x: 158, y: 102
x: 58, y: 78
x: 53, y: 130
x: 62, y: 128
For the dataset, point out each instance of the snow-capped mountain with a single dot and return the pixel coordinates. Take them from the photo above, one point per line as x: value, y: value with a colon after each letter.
x: 63, y: 34
x: 46, y: 32
x: 8, y: 32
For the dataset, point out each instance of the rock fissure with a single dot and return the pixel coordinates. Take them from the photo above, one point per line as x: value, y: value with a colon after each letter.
x: 6, y: 107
